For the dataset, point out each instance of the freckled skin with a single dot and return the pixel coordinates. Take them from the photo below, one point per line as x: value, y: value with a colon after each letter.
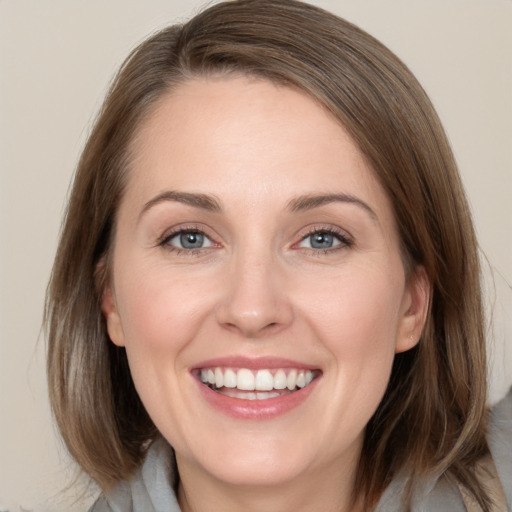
x: 258, y: 288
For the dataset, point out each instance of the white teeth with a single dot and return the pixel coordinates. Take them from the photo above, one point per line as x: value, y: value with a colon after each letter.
x: 245, y: 379
x: 250, y: 395
x: 291, y: 380
x: 260, y: 380
x: 264, y: 396
x: 229, y: 379
x: 219, y: 378
x: 280, y: 379
x: 264, y: 381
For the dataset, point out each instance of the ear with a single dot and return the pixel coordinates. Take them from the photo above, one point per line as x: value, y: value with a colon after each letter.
x: 112, y: 318
x: 415, y: 308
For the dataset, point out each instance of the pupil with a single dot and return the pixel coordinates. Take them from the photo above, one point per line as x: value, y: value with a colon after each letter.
x: 321, y: 240
x: 191, y: 240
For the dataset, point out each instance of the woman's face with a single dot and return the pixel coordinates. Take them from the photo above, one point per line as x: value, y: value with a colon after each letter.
x: 257, y: 283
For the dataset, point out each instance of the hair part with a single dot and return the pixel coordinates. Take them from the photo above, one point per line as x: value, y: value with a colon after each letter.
x: 432, y: 419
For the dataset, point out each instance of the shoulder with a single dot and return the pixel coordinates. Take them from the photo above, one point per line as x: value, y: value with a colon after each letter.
x: 100, y: 505
x: 496, y: 471
x: 150, y: 488
x: 500, y: 443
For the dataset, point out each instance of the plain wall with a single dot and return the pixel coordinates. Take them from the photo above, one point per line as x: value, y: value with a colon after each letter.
x: 56, y: 59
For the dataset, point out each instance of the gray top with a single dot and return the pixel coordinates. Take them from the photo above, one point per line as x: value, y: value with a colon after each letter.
x: 150, y: 489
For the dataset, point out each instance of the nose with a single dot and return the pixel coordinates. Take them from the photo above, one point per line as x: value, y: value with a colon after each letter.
x: 255, y: 302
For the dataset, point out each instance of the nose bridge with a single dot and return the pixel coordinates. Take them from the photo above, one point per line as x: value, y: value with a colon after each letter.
x: 254, y: 302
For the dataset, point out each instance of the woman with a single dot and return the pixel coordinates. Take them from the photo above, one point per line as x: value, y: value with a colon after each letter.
x: 266, y: 294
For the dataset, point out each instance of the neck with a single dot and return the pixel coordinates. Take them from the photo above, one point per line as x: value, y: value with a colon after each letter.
x: 330, y: 490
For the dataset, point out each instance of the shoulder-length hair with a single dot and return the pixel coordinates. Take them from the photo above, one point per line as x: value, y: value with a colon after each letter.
x: 432, y: 419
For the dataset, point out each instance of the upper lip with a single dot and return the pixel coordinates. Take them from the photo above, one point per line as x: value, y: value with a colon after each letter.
x: 254, y: 363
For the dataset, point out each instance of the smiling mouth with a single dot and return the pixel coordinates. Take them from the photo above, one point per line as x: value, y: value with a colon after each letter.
x: 246, y: 384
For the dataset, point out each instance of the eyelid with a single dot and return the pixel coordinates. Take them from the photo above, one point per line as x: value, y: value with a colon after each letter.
x: 204, y: 238
x: 345, y: 239
x: 169, y: 234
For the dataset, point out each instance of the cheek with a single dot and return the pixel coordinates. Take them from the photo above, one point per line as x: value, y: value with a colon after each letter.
x: 366, y: 304
x: 161, y: 315
x: 161, y: 310
x: 356, y: 316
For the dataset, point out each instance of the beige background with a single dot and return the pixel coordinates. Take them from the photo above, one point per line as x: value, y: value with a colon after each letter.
x: 56, y: 59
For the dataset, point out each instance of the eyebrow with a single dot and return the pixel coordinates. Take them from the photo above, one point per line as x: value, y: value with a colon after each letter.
x: 202, y: 201
x: 309, y: 202
x: 298, y: 204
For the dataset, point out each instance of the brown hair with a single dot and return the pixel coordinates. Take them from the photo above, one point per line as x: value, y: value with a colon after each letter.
x: 432, y: 419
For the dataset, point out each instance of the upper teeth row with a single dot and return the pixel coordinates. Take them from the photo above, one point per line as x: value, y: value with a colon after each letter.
x: 261, y: 380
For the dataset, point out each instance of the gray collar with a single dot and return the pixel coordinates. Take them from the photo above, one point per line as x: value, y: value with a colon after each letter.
x: 150, y: 489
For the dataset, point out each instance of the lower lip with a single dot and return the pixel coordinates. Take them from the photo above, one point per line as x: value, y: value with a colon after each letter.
x: 256, y: 409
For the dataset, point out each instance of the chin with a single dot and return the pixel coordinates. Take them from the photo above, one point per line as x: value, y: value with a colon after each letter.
x: 256, y: 471
x: 251, y: 458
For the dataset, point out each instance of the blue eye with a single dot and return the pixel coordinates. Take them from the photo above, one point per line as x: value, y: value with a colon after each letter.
x: 188, y: 240
x: 324, y: 240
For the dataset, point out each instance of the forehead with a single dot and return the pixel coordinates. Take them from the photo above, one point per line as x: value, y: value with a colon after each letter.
x: 247, y: 136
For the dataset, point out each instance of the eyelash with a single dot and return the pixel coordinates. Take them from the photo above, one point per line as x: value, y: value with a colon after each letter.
x: 341, y: 236
x: 345, y: 241
x: 167, y: 237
